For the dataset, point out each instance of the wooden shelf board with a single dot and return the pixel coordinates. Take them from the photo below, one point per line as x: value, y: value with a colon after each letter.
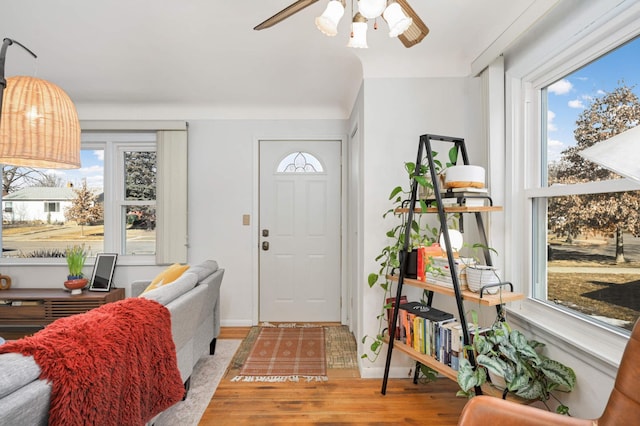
x: 453, y: 209
x: 424, y: 359
x: 486, y: 300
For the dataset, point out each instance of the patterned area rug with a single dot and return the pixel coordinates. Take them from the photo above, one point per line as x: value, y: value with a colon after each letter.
x: 282, y: 354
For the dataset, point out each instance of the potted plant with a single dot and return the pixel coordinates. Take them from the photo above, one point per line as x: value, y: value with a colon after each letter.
x: 76, y: 256
x: 478, y: 275
x: 503, y: 352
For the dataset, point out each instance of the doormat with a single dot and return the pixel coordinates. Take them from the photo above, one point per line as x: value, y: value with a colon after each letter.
x: 285, y: 354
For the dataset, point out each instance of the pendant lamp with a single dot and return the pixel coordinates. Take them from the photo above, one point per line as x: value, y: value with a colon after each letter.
x: 39, y: 125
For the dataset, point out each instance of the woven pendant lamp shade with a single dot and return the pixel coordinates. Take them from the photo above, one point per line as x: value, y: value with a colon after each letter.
x: 39, y: 126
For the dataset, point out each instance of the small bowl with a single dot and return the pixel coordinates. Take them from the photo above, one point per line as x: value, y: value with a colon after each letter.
x: 76, y: 285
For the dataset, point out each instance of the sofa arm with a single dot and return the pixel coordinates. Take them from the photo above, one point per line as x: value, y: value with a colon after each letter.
x: 138, y: 286
x: 489, y: 410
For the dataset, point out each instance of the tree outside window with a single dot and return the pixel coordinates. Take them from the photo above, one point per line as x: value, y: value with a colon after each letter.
x: 593, y: 244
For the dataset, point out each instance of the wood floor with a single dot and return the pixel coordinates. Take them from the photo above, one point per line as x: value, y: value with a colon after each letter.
x: 341, y: 400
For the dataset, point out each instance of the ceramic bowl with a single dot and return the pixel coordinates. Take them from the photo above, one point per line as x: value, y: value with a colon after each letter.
x: 76, y: 284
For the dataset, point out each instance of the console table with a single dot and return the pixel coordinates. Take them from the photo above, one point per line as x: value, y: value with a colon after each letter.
x: 24, y: 311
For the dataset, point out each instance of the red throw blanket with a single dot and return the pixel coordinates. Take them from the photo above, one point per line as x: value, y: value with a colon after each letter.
x: 114, y: 365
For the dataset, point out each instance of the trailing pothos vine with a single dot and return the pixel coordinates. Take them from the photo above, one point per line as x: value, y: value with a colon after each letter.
x: 389, y: 258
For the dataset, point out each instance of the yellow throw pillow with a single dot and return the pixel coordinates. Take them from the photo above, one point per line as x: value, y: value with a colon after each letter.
x: 167, y: 276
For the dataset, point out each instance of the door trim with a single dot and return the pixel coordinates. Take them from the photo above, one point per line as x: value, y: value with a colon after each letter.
x: 255, y: 231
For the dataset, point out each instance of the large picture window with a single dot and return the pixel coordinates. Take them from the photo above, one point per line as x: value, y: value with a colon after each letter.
x: 587, y: 218
x: 46, y: 211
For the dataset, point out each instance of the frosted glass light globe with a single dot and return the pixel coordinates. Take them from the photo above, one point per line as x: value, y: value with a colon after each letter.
x: 359, y: 38
x: 371, y: 9
x: 397, y: 20
x: 327, y: 23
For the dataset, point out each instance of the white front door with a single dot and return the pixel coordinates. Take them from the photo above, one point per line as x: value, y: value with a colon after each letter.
x: 300, y: 230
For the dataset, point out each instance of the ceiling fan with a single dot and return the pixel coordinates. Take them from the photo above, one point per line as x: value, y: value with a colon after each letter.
x: 410, y: 37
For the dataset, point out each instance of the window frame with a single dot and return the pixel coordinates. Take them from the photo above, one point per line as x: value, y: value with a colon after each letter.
x: 55, y: 204
x: 533, y: 64
x: 115, y: 145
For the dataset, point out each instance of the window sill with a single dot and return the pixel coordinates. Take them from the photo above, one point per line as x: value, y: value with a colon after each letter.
x: 122, y: 261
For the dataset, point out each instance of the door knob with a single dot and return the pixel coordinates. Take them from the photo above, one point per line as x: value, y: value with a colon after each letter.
x: 265, y: 245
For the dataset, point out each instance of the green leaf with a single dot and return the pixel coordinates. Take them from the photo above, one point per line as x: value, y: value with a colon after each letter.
x: 395, y: 192
x: 410, y: 167
x: 421, y: 180
x: 372, y: 279
x: 533, y: 390
x: 493, y: 364
x: 466, y: 377
x: 453, y: 155
x: 481, y: 344
x: 508, y: 352
x: 558, y: 373
x: 517, y: 383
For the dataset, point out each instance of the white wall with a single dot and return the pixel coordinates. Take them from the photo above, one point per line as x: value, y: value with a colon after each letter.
x: 222, y: 187
x: 395, y: 113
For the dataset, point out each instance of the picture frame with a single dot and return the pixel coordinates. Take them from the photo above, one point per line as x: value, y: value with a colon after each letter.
x: 103, y: 272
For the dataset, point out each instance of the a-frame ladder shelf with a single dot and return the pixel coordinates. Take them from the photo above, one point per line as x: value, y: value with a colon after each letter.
x: 425, y: 153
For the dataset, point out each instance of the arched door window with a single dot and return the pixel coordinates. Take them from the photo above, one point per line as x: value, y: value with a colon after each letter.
x: 300, y: 162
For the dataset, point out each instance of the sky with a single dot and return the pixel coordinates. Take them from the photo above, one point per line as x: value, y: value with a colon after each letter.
x: 568, y: 97
x: 91, y: 169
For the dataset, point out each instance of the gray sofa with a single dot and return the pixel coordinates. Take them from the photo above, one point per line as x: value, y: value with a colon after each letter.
x: 192, y: 300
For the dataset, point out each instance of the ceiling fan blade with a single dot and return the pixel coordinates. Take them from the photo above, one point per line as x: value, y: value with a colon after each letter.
x: 418, y: 29
x: 284, y: 14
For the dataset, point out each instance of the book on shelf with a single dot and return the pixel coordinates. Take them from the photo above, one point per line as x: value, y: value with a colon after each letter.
x: 424, y: 330
x: 468, y: 197
x: 469, y: 189
x: 391, y: 303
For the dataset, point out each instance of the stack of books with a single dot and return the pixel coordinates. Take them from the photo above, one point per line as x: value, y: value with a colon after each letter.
x: 441, y: 273
x: 468, y: 197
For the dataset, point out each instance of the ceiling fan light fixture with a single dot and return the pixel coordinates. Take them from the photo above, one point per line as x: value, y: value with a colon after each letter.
x: 398, y: 21
x: 327, y: 23
x: 359, y: 28
x: 371, y: 8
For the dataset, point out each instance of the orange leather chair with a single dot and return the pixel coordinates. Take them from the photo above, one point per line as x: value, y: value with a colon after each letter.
x: 623, y: 407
